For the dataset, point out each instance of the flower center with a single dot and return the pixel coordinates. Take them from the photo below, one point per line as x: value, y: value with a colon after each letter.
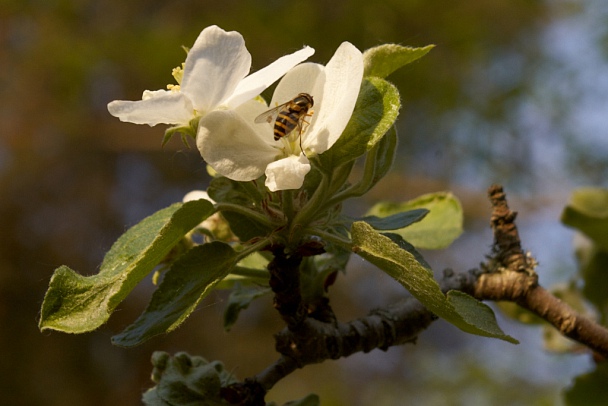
x: 292, y: 142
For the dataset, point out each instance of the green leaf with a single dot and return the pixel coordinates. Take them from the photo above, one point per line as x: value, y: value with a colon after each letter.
x: 595, y: 274
x: 438, y: 229
x: 240, y: 298
x: 188, y: 281
x: 588, y: 212
x: 251, y: 270
x: 395, y: 221
x: 404, y: 245
x: 589, y: 389
x: 77, y: 304
x: 381, y: 157
x: 375, y: 112
x: 479, y: 318
x: 383, y: 60
x: 458, y: 308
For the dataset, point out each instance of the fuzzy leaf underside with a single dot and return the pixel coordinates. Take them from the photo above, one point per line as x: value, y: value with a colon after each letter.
x: 77, y: 304
x: 458, y: 308
x: 404, y: 245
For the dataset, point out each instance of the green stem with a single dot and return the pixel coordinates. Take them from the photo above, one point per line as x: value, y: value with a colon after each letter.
x: 363, y: 185
x: 287, y: 203
x: 333, y: 238
x: 304, y: 216
x: 249, y: 249
x: 252, y: 214
x: 359, y: 188
x: 250, y: 272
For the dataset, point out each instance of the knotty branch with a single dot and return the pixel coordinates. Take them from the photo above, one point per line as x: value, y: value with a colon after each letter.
x: 512, y: 277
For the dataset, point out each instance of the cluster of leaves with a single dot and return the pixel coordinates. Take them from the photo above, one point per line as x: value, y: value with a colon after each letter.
x: 183, y: 379
x: 387, y: 236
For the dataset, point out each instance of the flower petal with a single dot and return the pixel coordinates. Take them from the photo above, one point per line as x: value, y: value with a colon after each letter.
x: 215, y: 65
x: 304, y: 78
x: 259, y: 81
x: 343, y: 75
x: 232, y: 146
x: 287, y: 173
x: 160, y: 106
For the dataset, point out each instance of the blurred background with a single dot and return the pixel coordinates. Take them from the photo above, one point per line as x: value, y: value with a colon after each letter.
x: 515, y: 92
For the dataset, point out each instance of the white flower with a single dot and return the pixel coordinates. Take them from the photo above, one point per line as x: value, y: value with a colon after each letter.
x: 214, y: 76
x: 242, y: 150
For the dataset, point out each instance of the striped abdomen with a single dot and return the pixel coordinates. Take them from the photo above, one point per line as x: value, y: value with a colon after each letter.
x: 292, y: 115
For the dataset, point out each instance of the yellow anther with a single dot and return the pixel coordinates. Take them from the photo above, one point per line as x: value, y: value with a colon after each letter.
x: 178, y: 73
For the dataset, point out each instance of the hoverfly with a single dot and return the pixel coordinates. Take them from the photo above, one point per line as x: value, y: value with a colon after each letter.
x: 288, y: 116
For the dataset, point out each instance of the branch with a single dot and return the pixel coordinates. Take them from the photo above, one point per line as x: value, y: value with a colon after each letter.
x: 315, y: 341
x: 285, y: 283
x: 512, y: 277
x: 506, y: 250
x: 274, y: 373
x: 508, y: 275
x: 524, y: 290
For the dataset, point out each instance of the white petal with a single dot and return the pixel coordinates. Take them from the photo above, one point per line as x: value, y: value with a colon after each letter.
x: 197, y: 195
x: 343, y: 75
x: 232, y: 147
x: 157, y: 107
x: 250, y: 110
x: 215, y: 65
x: 304, y: 78
x: 259, y: 81
x: 287, y: 173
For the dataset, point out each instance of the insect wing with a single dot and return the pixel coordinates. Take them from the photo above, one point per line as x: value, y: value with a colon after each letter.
x: 270, y: 115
